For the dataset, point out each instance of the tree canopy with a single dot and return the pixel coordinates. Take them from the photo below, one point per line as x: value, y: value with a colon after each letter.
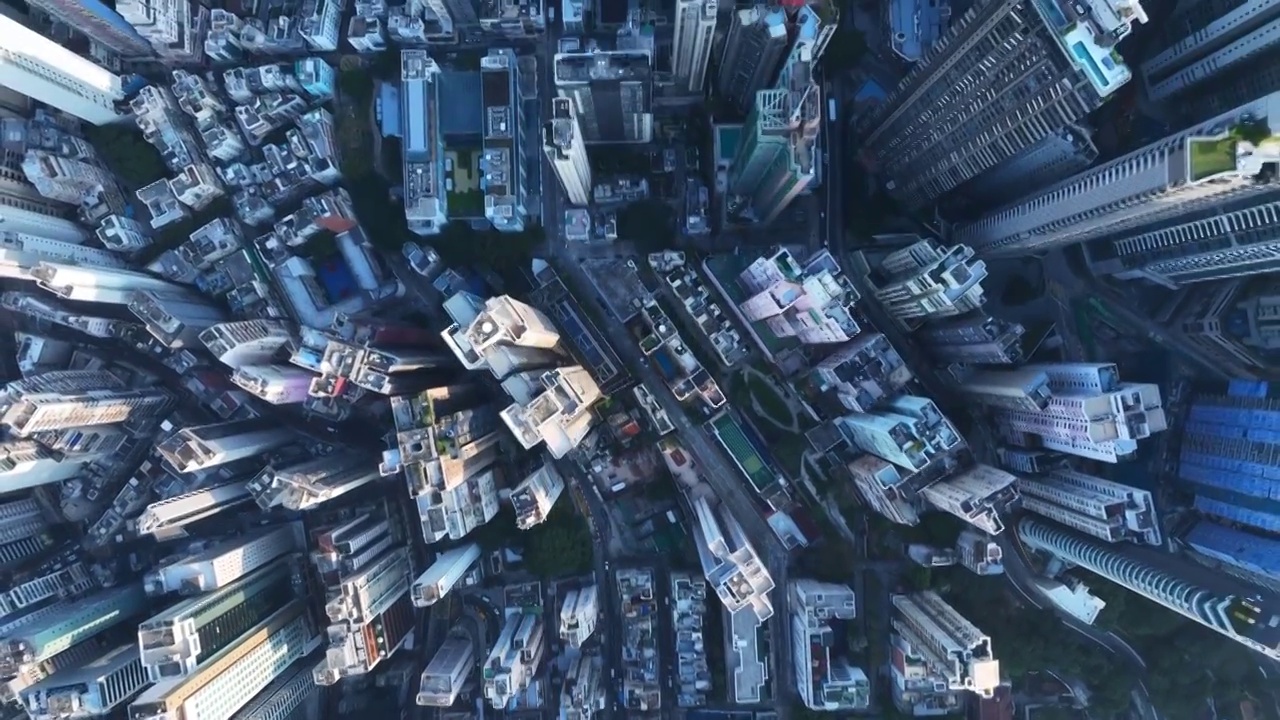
x: 561, y: 546
x: 845, y: 51
x: 124, y: 150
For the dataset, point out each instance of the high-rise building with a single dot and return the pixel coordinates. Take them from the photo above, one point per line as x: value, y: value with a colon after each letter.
x: 1227, y: 456
x: 534, y: 497
x: 27, y: 463
x: 1076, y: 408
x: 826, y: 682
x: 970, y: 106
x: 51, y: 629
x: 177, y: 640
x: 949, y: 643
x: 293, y: 695
x: 175, y: 319
x: 277, y: 384
x: 514, y: 659
x: 1104, y: 509
x: 447, y: 570
x: 1240, y: 552
x: 40, y: 308
x: 503, y: 153
x: 197, y: 447
x: 1201, y: 43
x: 224, y: 562
x: 1190, y: 171
x: 730, y: 562
x: 559, y: 416
x: 754, y: 47
x: 857, y: 376
x: 100, y: 24
x: 358, y: 649
x: 447, y: 672
x: 583, y: 692
x: 175, y: 29
x: 612, y: 92
x: 123, y: 234
x: 242, y: 343
x: 358, y: 597
x: 43, y: 70
x: 90, y: 689
x: 777, y: 157
x: 65, y: 400
x: 306, y: 484
x: 979, y: 553
x: 60, y: 578
x: 500, y: 333
x: 165, y: 518
x: 908, y: 431
x: 1251, y: 621
x: 20, y: 253
x: 976, y: 495
x: 563, y: 143
x: 977, y: 338
x: 96, y: 284
x: 20, y: 518
x: 579, y: 613
x: 426, y: 206
x: 925, y: 280
x: 230, y: 678
x: 812, y: 302
x: 695, y: 33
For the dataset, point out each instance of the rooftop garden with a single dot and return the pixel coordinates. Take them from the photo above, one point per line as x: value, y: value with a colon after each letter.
x: 1212, y: 157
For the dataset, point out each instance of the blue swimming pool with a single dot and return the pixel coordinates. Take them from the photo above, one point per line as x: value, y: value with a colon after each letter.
x: 1078, y: 49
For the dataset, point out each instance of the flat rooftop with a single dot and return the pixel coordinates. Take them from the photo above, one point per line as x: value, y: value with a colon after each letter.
x: 618, y: 285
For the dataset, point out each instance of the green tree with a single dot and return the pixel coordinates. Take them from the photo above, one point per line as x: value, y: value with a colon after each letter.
x: 560, y: 546
x: 844, y: 52
x: 127, y: 153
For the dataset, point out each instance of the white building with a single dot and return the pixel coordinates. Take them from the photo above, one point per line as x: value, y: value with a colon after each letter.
x: 811, y: 303
x: 241, y: 343
x: 730, y: 562
x: 449, y: 568
x: 96, y: 284
x: 224, y: 562
x: 826, y: 683
x: 174, y: 642
x: 583, y: 693
x: 979, y: 553
x: 20, y: 253
x: 502, y: 158
x: 197, y: 447
x: 446, y: 674
x: 277, y: 384
x: 20, y: 518
x: 560, y: 416
x: 229, y: 679
x: 695, y: 34
x: 322, y: 27
x: 27, y: 464
x: 976, y: 495
x: 534, y: 497
x: 90, y: 689
x: 1072, y: 597
x: 361, y: 596
x: 514, y: 659
x: 579, y: 613
x: 425, y: 200
x: 857, y: 376
x: 306, y: 484
x: 501, y: 334
x: 950, y: 645
x: 908, y: 431
x: 165, y: 518
x: 1104, y: 509
x: 562, y: 142
x: 38, y: 67
x: 123, y: 234
x: 64, y: 400
x: 925, y: 280
x: 174, y: 318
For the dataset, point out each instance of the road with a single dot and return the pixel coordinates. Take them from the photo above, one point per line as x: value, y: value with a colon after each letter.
x: 1058, y: 270
x: 723, y: 477
x: 1018, y: 571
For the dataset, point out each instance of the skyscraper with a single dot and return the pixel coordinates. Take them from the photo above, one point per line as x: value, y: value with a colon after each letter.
x: 695, y: 33
x: 563, y: 144
x: 197, y: 447
x: 925, y: 280
x: 612, y: 92
x: 277, y: 384
x: 444, y: 573
x: 293, y: 695
x: 730, y: 562
x: 224, y: 562
x: 231, y: 677
x: 755, y: 45
x: 425, y: 200
x: 949, y: 643
x: 99, y: 23
x: 908, y: 431
x: 177, y: 640
x: 777, y: 155
x: 812, y: 302
x: 977, y: 495
x: 1169, y: 181
x: 165, y: 518
x: 1252, y: 621
x: 306, y: 484
x: 579, y: 613
x: 534, y: 497
x: 500, y: 333
x: 514, y: 659
x: 970, y: 104
x: 51, y: 629
x: 92, y: 688
x: 1209, y: 43
x: 20, y: 518
x: 63, y: 400
x: 559, y: 416
x: 976, y: 338
x: 21, y: 252
x: 1104, y: 509
x: 358, y: 649
x: 447, y: 672
x: 114, y: 286
x: 246, y: 342
x: 826, y: 682
x: 502, y: 158
x: 38, y: 67
x: 176, y: 319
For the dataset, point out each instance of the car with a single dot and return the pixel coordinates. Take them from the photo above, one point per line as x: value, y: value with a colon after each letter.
x: 420, y: 260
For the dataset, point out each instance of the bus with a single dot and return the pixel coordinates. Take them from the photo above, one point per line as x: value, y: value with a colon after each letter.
x: 831, y: 109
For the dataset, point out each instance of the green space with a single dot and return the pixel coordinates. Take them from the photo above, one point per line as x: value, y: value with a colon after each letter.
x: 129, y: 156
x: 560, y: 546
x: 465, y: 204
x: 1211, y: 157
x: 740, y: 449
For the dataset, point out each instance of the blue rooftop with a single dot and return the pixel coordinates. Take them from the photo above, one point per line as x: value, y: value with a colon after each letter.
x: 1246, y: 550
